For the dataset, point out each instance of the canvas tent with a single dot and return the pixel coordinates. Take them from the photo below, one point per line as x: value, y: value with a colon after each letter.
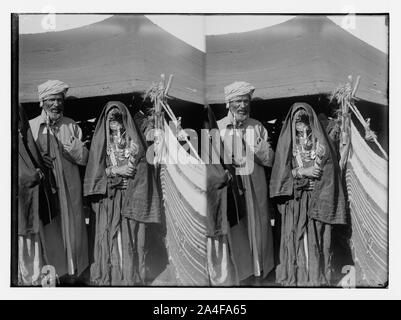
x: 307, y: 55
x: 303, y: 56
x: 119, y: 55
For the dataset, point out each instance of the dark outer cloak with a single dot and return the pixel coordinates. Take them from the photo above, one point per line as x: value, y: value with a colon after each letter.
x: 143, y: 200
x: 35, y: 198
x: 219, y: 217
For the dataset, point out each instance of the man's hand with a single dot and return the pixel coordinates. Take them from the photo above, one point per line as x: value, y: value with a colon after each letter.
x: 258, y: 144
x: 39, y: 174
x: 48, y: 161
x: 227, y: 176
x: 239, y: 163
x: 263, y: 152
x: 71, y: 144
x: 311, y: 172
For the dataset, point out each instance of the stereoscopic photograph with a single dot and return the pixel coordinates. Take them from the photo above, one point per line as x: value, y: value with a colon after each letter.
x: 203, y: 150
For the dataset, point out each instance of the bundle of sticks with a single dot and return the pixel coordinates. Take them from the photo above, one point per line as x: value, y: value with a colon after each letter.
x: 344, y: 94
x: 158, y: 94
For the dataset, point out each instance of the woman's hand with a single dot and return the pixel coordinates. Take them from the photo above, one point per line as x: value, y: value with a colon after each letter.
x: 124, y: 171
x: 311, y: 172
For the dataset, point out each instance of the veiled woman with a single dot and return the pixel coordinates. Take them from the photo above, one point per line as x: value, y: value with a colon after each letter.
x: 124, y: 197
x: 306, y: 183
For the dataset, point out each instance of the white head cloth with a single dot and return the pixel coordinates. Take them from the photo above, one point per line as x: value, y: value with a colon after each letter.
x: 51, y: 87
x: 238, y: 88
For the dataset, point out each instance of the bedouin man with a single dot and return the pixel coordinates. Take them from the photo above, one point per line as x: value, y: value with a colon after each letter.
x: 59, y: 141
x: 251, y: 235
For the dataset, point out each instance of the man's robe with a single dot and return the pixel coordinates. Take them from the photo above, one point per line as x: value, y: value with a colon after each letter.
x: 70, y: 225
x: 252, y: 237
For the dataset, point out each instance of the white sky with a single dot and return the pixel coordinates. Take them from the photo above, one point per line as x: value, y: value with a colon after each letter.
x: 191, y: 28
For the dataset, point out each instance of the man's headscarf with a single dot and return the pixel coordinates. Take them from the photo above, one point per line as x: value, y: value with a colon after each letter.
x: 238, y: 88
x: 51, y: 87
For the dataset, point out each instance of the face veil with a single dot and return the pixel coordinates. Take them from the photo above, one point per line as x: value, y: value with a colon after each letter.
x: 115, y: 130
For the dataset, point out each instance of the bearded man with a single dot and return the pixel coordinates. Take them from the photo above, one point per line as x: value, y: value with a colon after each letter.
x: 251, y: 233
x: 59, y: 141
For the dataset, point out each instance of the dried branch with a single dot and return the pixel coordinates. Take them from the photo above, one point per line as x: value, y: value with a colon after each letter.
x: 344, y: 95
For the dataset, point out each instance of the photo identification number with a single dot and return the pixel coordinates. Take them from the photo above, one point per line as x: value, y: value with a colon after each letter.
x: 221, y: 309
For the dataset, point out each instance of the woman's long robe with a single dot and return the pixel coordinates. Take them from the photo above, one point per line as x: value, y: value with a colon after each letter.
x: 307, y: 216
x: 120, y: 216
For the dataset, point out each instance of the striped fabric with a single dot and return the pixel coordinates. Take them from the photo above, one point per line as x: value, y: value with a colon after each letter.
x: 184, y: 196
x: 367, y: 186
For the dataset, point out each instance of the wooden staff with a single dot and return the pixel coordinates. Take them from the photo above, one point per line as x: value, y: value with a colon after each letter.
x: 171, y: 114
x: 48, y: 143
x: 362, y: 120
x: 366, y: 126
x: 170, y: 79
x: 48, y: 135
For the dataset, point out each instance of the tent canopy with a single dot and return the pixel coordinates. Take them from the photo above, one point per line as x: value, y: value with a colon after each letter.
x: 122, y: 54
x: 303, y: 56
